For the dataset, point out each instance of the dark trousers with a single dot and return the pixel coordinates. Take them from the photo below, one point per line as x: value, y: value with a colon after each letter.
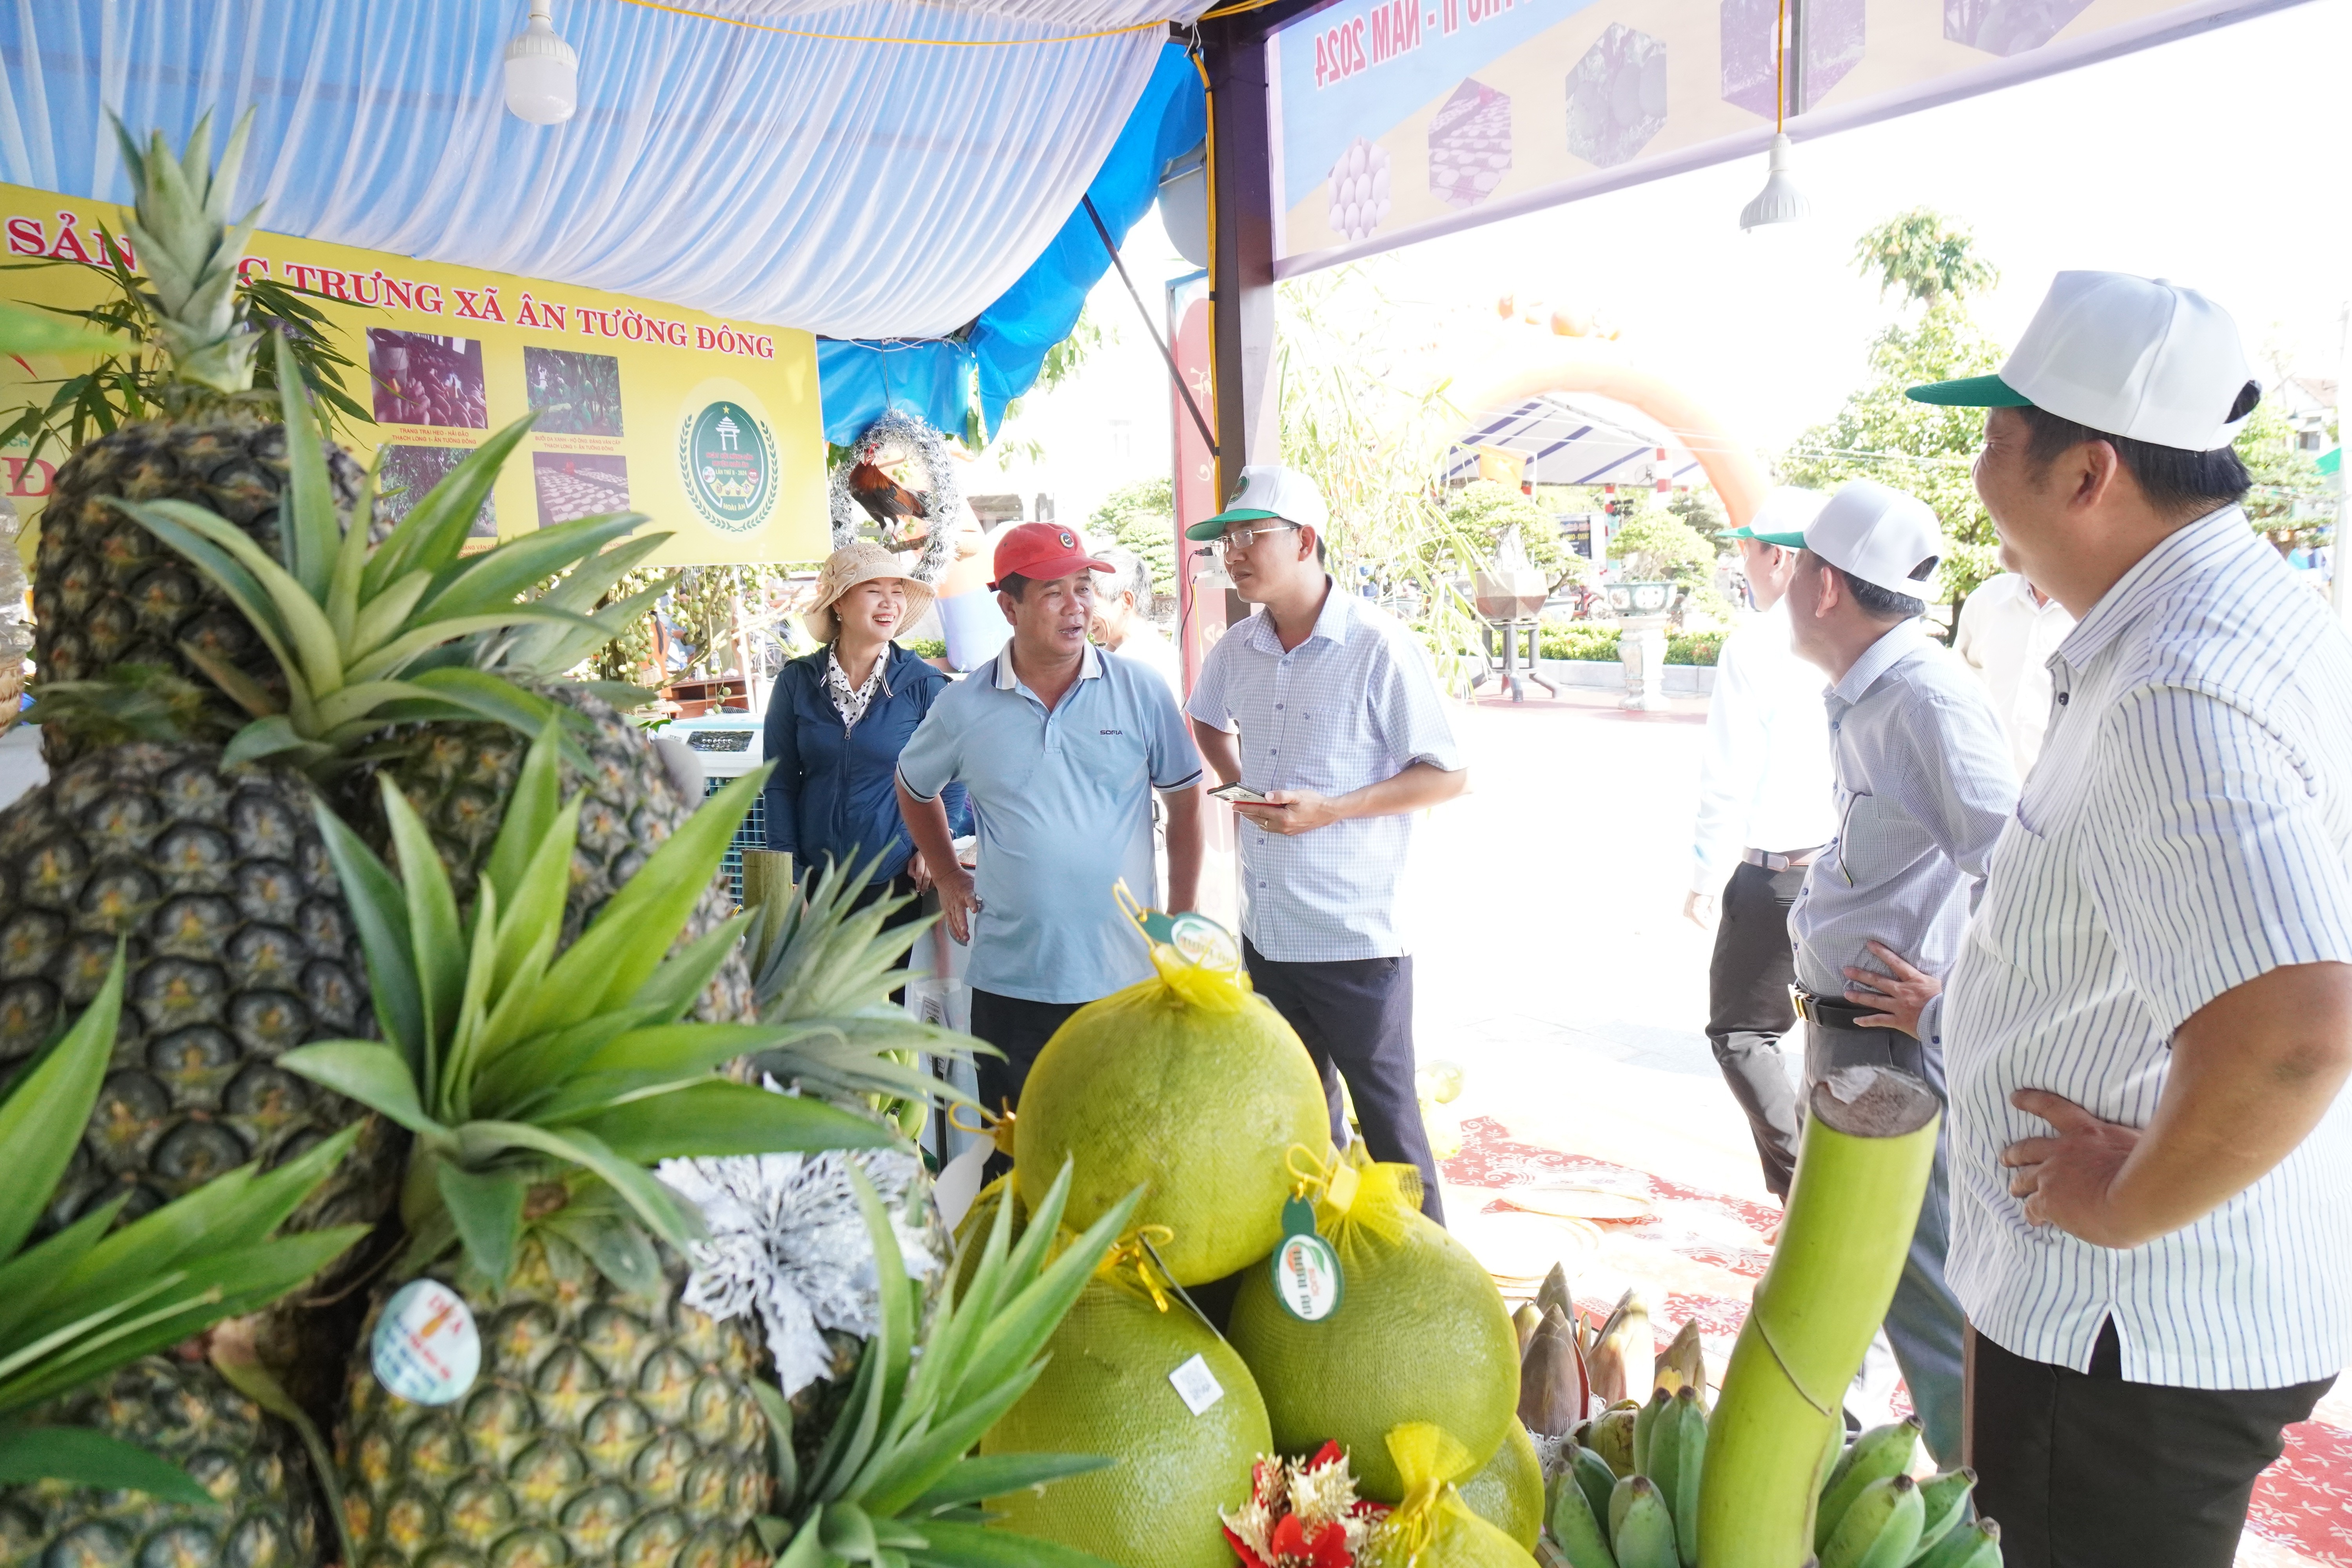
x: 2085, y: 1470
x: 1356, y: 1018
x: 1747, y: 1010
x: 1020, y: 1029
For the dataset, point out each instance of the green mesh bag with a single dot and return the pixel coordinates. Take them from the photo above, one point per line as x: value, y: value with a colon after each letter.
x: 1106, y: 1389
x: 1190, y: 1085
x: 1507, y: 1492
x: 1421, y: 1333
x: 1434, y: 1527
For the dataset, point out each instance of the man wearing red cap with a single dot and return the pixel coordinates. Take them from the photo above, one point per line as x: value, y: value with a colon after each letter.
x: 1059, y: 745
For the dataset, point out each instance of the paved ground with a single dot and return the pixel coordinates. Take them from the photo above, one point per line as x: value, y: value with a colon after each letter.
x: 1554, y: 967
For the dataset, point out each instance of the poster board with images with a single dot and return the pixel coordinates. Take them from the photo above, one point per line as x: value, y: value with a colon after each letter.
x: 710, y: 427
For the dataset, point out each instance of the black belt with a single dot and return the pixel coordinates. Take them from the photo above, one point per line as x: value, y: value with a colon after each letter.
x: 1831, y: 1014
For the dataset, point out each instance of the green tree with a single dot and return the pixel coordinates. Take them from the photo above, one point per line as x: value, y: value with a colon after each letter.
x: 2283, y: 473
x: 1926, y: 254
x: 1482, y: 512
x: 1654, y: 545
x: 1143, y: 516
x: 1919, y: 447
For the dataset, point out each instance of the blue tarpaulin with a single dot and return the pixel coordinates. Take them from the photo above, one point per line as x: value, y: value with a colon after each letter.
x: 981, y: 369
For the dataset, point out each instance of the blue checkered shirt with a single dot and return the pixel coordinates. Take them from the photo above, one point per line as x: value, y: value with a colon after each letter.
x: 1355, y: 704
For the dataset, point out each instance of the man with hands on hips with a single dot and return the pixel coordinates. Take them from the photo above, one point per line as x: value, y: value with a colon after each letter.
x: 1342, y: 734
x: 2152, y: 1019
x: 1060, y: 747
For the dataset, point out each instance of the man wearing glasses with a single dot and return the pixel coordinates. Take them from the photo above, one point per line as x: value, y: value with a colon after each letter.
x: 1342, y: 736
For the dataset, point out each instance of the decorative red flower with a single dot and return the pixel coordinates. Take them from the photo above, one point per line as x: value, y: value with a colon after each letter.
x: 1328, y: 1548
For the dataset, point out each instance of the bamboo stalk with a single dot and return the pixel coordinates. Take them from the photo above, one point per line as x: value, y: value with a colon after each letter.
x: 1861, y: 1172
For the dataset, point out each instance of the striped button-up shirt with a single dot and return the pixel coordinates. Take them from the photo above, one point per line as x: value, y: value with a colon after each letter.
x: 2188, y: 828
x: 1923, y: 785
x: 1355, y: 704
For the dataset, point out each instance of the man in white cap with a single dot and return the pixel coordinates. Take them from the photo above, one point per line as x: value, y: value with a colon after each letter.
x: 1763, y: 813
x: 1342, y: 735
x: 2153, y: 1015
x: 1922, y: 785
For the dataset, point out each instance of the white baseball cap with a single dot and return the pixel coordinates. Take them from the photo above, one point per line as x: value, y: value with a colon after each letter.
x: 1784, y: 509
x: 1268, y: 490
x: 1877, y: 534
x: 2136, y: 357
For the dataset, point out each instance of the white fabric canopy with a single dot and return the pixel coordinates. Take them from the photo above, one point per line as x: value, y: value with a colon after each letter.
x: 853, y: 189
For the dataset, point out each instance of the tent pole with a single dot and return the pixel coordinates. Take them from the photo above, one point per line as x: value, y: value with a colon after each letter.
x: 1241, y: 266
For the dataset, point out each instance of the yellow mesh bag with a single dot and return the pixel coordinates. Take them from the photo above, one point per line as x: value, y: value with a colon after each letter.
x: 1421, y: 1332
x: 1106, y: 1390
x: 1433, y: 1527
x: 1189, y: 1085
x: 1507, y: 1492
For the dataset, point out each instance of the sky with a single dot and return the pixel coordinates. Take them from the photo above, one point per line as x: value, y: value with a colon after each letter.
x: 2207, y: 160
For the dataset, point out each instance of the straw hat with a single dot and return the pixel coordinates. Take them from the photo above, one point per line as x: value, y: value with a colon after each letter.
x: 861, y: 561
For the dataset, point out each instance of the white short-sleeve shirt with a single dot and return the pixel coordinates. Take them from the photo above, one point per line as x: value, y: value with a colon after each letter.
x: 1355, y: 704
x: 2187, y: 829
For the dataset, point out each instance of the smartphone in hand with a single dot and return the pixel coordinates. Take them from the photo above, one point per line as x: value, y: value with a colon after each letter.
x: 1237, y: 792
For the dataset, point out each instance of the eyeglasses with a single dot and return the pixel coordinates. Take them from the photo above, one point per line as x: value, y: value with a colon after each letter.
x: 1235, y: 540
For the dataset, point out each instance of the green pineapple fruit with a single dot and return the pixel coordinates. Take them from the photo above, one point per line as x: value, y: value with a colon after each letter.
x: 112, y: 1452
x: 105, y: 592
x: 611, y: 1424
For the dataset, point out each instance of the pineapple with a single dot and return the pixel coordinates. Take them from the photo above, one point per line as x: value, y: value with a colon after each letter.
x: 105, y: 592
x: 611, y: 1423
x: 119, y: 1454
x: 262, y: 1510
x: 240, y: 949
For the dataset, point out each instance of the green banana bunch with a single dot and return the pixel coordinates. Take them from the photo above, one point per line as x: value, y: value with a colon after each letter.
x: 1645, y: 1423
x: 1881, y: 1529
x: 1611, y: 1436
x: 1575, y: 1522
x: 1593, y: 1474
x: 1973, y: 1545
x: 1677, y: 1455
x: 1877, y: 1454
x: 1946, y: 1500
x: 1643, y: 1532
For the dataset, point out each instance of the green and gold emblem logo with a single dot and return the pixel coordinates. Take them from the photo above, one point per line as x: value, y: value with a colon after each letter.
x: 727, y: 455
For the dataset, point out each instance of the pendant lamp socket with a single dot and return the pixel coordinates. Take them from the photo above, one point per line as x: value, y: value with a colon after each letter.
x: 542, y: 72
x: 1779, y: 201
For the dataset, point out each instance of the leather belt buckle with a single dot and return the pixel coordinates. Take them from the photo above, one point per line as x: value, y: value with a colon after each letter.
x: 1824, y: 1011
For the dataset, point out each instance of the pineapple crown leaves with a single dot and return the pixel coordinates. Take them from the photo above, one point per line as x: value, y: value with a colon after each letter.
x: 516, y: 1065
x: 180, y: 224
x: 823, y: 971
x: 81, y: 1302
x: 895, y: 1479
x: 370, y: 636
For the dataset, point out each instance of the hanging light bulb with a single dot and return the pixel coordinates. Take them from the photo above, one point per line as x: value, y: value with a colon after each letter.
x: 542, y: 72
x: 1779, y: 201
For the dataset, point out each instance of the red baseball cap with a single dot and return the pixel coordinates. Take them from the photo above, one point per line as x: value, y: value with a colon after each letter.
x: 1042, y: 551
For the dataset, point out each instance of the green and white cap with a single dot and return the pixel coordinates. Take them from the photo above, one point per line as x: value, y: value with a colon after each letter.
x: 2138, y: 357
x: 1268, y: 490
x: 1877, y: 534
x: 1784, y: 509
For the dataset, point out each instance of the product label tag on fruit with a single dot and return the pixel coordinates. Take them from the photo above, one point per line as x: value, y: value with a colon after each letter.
x: 1307, y: 1277
x: 1196, y: 1386
x: 426, y: 1348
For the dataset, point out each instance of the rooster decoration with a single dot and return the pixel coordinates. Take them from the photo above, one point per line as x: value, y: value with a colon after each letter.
x: 871, y: 493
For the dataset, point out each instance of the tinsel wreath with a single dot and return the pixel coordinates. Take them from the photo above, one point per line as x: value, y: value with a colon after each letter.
x: 944, y: 501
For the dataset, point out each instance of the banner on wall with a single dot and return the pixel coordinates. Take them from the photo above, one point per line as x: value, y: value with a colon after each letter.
x: 710, y: 427
x: 1392, y: 121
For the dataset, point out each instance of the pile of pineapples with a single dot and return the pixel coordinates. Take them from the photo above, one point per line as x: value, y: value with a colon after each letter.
x: 379, y: 913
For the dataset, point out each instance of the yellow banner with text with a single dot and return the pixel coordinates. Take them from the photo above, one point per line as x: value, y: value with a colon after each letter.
x: 710, y: 427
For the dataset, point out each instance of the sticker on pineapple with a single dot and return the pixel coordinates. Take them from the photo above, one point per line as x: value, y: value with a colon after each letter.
x: 1196, y: 1386
x: 426, y: 1349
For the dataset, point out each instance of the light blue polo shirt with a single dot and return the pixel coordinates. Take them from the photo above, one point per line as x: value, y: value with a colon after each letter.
x: 1064, y: 804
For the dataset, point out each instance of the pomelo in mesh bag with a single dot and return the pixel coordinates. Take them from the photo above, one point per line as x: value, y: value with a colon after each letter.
x: 1189, y: 1085
x: 1421, y: 1333
x: 1433, y: 1527
x: 1507, y: 1492
x: 1106, y: 1390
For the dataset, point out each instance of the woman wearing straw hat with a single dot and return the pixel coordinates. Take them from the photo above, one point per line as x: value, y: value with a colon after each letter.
x: 837, y: 721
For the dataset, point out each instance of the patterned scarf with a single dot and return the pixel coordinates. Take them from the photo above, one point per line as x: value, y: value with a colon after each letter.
x: 849, y: 701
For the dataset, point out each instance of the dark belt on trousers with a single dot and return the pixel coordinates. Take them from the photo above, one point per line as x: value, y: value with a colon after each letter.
x: 1829, y: 1013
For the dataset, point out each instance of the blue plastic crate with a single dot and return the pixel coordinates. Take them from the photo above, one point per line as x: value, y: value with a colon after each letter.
x: 752, y: 835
